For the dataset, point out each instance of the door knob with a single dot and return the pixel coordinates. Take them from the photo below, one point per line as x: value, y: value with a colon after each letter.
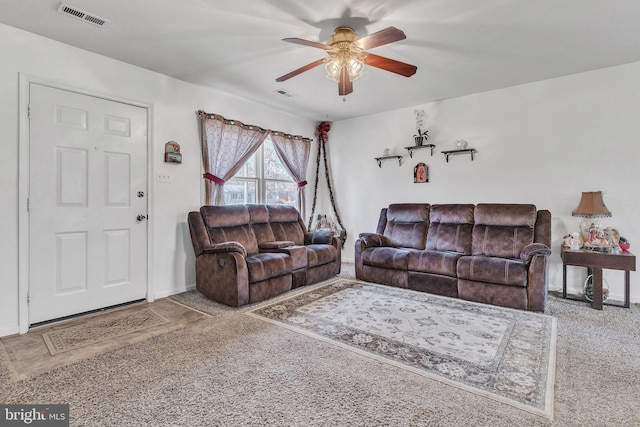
x: 141, y: 218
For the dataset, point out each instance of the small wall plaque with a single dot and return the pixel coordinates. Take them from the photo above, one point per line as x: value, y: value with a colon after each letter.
x: 421, y: 173
x: 172, y: 152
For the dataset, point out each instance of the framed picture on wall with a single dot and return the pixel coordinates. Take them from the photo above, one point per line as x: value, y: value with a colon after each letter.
x: 172, y: 152
x: 421, y: 173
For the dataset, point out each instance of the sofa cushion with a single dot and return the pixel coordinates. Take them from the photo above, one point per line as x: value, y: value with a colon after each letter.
x: 503, y: 230
x: 229, y: 224
x: 450, y: 228
x: 224, y: 216
x: 407, y: 225
x: 285, y: 225
x: 504, y: 242
x: 505, y: 215
x: 493, y: 270
x: 259, y: 219
x: 298, y: 256
x: 385, y: 257
x: 267, y: 265
x: 436, y: 262
x: 320, y: 254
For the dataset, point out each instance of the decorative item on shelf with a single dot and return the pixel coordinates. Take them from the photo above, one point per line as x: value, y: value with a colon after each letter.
x: 624, y: 244
x: 421, y: 173
x: 592, y: 206
x: 172, y: 152
x: 385, y: 153
x: 422, y: 135
x: 588, y: 289
x: 573, y: 241
x: 461, y: 144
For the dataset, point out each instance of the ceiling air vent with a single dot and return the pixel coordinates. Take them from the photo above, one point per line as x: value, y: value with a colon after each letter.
x: 82, y: 15
x: 283, y: 93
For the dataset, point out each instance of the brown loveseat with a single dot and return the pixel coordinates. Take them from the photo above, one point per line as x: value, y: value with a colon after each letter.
x: 490, y: 253
x: 248, y: 253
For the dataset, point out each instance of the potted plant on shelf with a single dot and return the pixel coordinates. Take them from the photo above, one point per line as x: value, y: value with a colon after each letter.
x: 422, y: 135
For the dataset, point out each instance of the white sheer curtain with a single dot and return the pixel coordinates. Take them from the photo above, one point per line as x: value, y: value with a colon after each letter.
x: 226, y: 146
x: 293, y: 152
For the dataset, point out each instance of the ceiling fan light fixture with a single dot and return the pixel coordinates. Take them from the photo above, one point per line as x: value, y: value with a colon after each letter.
x: 345, y: 55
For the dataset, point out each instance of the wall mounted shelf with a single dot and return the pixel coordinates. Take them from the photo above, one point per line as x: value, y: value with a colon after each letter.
x: 380, y: 159
x: 463, y: 151
x: 417, y: 147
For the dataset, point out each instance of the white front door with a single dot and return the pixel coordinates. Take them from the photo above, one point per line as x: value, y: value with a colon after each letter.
x: 87, y: 187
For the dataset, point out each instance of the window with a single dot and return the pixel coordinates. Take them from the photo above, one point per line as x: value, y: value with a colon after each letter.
x: 262, y: 179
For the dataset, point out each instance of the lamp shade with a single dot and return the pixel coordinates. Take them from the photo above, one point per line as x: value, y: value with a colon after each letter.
x: 591, y: 206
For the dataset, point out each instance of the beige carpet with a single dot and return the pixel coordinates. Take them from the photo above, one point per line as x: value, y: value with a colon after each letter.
x: 236, y: 370
x: 503, y: 354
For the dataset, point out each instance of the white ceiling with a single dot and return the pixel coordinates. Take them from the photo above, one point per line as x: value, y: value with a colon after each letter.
x: 459, y: 46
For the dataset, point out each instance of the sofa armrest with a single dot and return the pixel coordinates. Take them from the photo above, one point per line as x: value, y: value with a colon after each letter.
x: 318, y: 237
x: 198, y: 231
x: 268, y: 246
x: 534, y: 249
x: 372, y: 240
x: 226, y: 247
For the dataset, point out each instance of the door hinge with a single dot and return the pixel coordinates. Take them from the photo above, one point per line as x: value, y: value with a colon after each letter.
x: 29, y: 111
x: 28, y: 297
x: 28, y: 204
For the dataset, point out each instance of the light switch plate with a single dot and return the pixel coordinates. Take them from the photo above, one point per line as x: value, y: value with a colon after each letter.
x: 164, y: 177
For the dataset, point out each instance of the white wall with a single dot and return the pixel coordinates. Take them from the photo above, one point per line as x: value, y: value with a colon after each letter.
x: 541, y: 143
x: 174, y: 105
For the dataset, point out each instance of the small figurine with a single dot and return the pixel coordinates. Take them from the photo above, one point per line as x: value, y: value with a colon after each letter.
x: 573, y: 241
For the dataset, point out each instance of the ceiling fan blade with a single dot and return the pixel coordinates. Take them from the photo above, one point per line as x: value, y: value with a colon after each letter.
x: 392, y: 65
x: 386, y: 36
x: 345, y: 86
x: 300, y: 70
x: 307, y: 43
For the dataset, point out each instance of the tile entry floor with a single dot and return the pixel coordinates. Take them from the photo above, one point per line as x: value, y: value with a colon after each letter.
x: 28, y: 354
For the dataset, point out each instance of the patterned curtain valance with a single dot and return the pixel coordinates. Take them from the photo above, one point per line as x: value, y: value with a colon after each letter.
x: 227, y: 144
x: 204, y: 114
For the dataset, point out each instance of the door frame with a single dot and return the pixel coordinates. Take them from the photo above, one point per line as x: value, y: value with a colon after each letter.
x: 24, y: 262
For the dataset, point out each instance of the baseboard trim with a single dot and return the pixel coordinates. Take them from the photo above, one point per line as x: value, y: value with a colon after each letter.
x: 169, y: 292
x: 12, y: 330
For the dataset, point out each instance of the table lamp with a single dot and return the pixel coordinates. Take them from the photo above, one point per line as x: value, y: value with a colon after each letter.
x: 591, y: 206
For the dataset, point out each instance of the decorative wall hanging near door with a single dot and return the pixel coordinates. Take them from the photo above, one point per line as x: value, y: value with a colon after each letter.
x: 322, y: 134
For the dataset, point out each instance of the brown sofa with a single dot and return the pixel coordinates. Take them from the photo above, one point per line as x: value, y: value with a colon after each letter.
x: 248, y: 253
x: 491, y: 253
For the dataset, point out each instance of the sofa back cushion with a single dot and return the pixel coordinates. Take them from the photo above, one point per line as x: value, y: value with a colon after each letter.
x: 450, y: 228
x: 286, y: 224
x: 503, y: 230
x: 230, y: 223
x: 407, y: 224
x: 259, y: 219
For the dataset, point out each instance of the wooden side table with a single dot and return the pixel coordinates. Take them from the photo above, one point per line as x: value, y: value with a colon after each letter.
x: 596, y: 261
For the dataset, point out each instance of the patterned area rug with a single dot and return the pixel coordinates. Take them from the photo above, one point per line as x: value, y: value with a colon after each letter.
x: 101, y: 329
x: 504, y: 354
